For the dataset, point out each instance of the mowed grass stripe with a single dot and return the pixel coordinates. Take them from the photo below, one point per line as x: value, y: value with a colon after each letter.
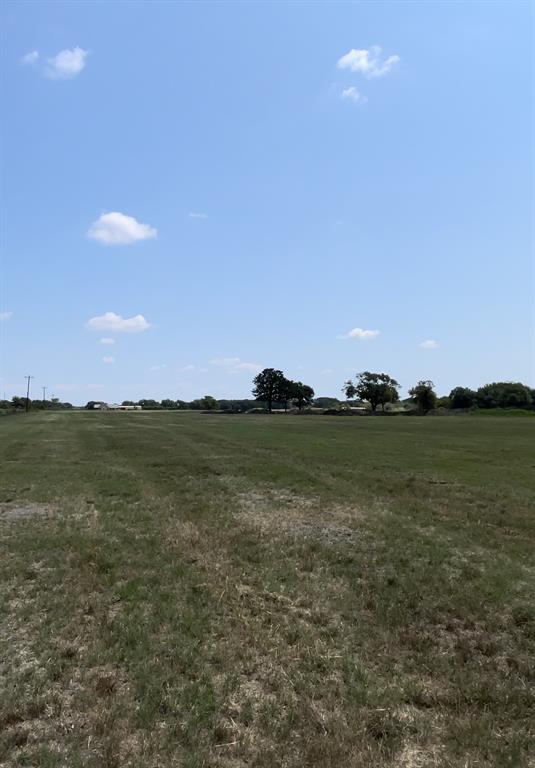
x: 209, y: 590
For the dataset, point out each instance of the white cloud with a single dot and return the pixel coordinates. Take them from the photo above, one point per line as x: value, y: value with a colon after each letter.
x: 110, y: 321
x: 360, y: 333
x: 66, y: 64
x: 30, y: 58
x: 107, y: 340
x: 157, y: 367
x: 5, y: 316
x: 116, y: 228
x: 367, y: 62
x: 326, y: 372
x: 108, y: 359
x: 253, y: 367
x: 188, y: 368
x: 234, y: 364
x: 226, y: 362
x: 198, y: 215
x: 351, y: 94
x: 429, y: 344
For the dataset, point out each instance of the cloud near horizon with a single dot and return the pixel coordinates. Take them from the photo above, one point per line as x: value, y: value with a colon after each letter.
x: 110, y: 321
x: 116, y: 228
x: 66, y: 64
x: 429, y: 344
x: 367, y: 62
x: 360, y: 333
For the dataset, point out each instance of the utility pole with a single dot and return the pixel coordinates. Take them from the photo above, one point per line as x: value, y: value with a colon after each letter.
x: 44, y: 395
x: 28, y: 392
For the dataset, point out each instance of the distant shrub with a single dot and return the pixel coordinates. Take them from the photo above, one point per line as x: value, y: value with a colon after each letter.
x: 462, y: 397
x: 326, y: 402
x: 504, y: 413
x: 504, y: 394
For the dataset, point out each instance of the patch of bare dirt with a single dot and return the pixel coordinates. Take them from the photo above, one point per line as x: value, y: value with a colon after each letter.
x: 281, y: 512
x: 11, y: 512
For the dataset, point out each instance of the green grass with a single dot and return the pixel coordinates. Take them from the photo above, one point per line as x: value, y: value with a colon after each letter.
x: 203, y: 590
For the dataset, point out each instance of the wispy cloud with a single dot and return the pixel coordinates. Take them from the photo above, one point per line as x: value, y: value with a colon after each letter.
x: 186, y: 368
x: 360, y: 333
x: 225, y: 361
x: 198, y: 215
x: 110, y: 321
x: 235, y: 364
x: 30, y: 58
x: 107, y: 340
x: 108, y: 359
x: 157, y: 367
x: 66, y: 64
x: 252, y: 367
x: 5, y: 316
x: 351, y: 94
x: 367, y: 62
x: 116, y: 228
x: 429, y: 344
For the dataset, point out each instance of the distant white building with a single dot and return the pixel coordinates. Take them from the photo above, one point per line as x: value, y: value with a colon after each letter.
x: 117, y: 407
x: 100, y: 406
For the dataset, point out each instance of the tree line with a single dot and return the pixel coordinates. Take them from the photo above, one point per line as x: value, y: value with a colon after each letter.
x: 19, y: 404
x: 272, y: 389
x: 380, y: 389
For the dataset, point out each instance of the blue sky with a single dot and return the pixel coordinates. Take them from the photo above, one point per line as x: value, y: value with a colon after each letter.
x: 278, y: 174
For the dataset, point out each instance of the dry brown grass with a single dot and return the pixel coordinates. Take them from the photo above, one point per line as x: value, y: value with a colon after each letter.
x: 169, y: 612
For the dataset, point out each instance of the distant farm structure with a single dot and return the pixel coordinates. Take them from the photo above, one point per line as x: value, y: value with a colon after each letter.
x: 99, y: 405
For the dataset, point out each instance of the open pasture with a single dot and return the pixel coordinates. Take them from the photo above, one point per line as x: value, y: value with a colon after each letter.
x: 181, y: 589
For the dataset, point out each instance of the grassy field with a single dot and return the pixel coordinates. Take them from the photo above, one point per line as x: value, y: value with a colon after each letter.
x: 192, y: 590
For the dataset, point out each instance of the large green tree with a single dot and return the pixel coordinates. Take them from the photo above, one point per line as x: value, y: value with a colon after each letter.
x: 374, y: 388
x: 424, y: 395
x: 462, y: 397
x: 269, y: 386
x: 301, y: 394
x: 285, y: 392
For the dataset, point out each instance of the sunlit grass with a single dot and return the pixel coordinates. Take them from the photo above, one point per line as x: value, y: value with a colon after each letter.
x: 205, y: 590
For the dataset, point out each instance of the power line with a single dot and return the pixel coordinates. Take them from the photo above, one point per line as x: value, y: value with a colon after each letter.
x: 28, y: 392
